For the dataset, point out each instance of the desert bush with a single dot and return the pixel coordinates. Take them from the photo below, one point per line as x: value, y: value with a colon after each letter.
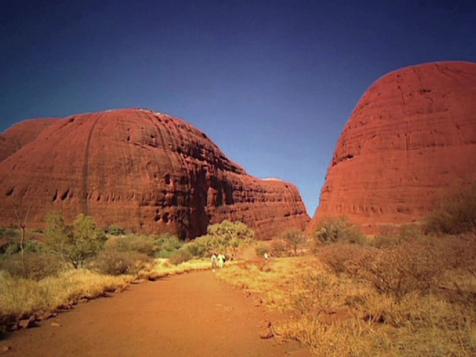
x: 229, y: 236
x: 201, y: 247
x: 226, y: 237
x: 332, y: 230
x: 409, y: 267
x: 294, y: 239
x: 76, y: 243
x: 115, y: 230
x: 133, y: 243
x: 9, y: 233
x: 181, y: 256
x: 168, y: 244
x: 10, y: 237
x: 33, y: 265
x: 117, y: 262
x: 396, y: 236
x: 279, y: 248
x: 261, y: 249
x: 231, y: 230
x: 345, y: 257
x: 456, y: 214
x: 29, y: 246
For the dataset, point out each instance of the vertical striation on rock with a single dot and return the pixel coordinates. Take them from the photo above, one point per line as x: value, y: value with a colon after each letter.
x: 144, y: 171
x: 410, y: 141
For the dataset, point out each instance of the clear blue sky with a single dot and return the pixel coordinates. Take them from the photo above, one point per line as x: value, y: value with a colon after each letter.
x: 271, y: 82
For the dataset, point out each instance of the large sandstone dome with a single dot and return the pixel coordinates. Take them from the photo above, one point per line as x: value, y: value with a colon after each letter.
x: 20, y: 135
x: 140, y: 170
x: 410, y: 141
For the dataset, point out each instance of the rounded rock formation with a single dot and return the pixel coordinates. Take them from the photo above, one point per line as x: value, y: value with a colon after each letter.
x: 143, y: 171
x: 21, y: 134
x: 410, y: 141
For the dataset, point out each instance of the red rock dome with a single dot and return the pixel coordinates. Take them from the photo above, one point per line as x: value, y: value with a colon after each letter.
x: 143, y: 171
x: 20, y: 135
x: 410, y: 141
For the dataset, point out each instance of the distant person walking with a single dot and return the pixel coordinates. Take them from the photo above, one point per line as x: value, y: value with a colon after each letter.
x: 214, y: 261
x: 221, y: 260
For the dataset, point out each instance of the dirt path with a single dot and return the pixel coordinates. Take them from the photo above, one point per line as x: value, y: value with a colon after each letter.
x: 187, y: 315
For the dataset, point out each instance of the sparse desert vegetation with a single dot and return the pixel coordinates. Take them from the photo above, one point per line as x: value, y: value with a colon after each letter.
x: 68, y: 263
x: 406, y: 294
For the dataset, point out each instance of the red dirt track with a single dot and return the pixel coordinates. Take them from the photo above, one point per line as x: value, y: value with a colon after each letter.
x: 187, y: 315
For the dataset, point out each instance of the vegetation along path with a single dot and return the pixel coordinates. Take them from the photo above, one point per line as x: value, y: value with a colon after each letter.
x: 192, y: 314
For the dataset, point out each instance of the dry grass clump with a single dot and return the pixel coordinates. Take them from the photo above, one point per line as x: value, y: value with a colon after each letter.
x: 20, y: 298
x: 163, y: 267
x: 273, y: 280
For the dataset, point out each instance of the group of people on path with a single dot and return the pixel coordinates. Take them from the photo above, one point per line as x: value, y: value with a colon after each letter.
x: 217, y: 261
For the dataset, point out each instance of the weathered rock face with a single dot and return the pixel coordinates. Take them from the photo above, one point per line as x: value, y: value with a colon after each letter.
x: 20, y: 135
x: 143, y: 171
x: 410, y: 141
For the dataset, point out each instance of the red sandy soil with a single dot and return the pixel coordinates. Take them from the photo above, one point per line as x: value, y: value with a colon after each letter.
x: 187, y: 315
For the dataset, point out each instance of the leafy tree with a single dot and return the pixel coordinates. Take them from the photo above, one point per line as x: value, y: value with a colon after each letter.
x: 76, y: 243
x: 224, y: 237
x: 229, y: 235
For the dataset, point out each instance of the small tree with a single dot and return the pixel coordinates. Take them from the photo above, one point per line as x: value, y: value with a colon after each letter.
x: 332, y: 230
x: 294, y: 239
x: 21, y: 215
x: 75, y: 243
x: 229, y: 235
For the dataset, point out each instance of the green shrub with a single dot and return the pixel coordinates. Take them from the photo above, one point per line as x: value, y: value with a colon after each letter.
x: 457, y: 214
x: 30, y: 246
x: 168, y: 244
x: 332, y: 230
x: 9, y: 233
x: 225, y: 238
x: 181, y: 256
x: 231, y: 230
x: 76, y: 243
x: 34, y: 266
x: 116, y: 262
x: 201, y: 247
x: 115, y: 230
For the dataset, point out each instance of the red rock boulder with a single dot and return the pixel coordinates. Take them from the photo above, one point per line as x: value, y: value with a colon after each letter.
x: 144, y: 171
x: 410, y: 141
